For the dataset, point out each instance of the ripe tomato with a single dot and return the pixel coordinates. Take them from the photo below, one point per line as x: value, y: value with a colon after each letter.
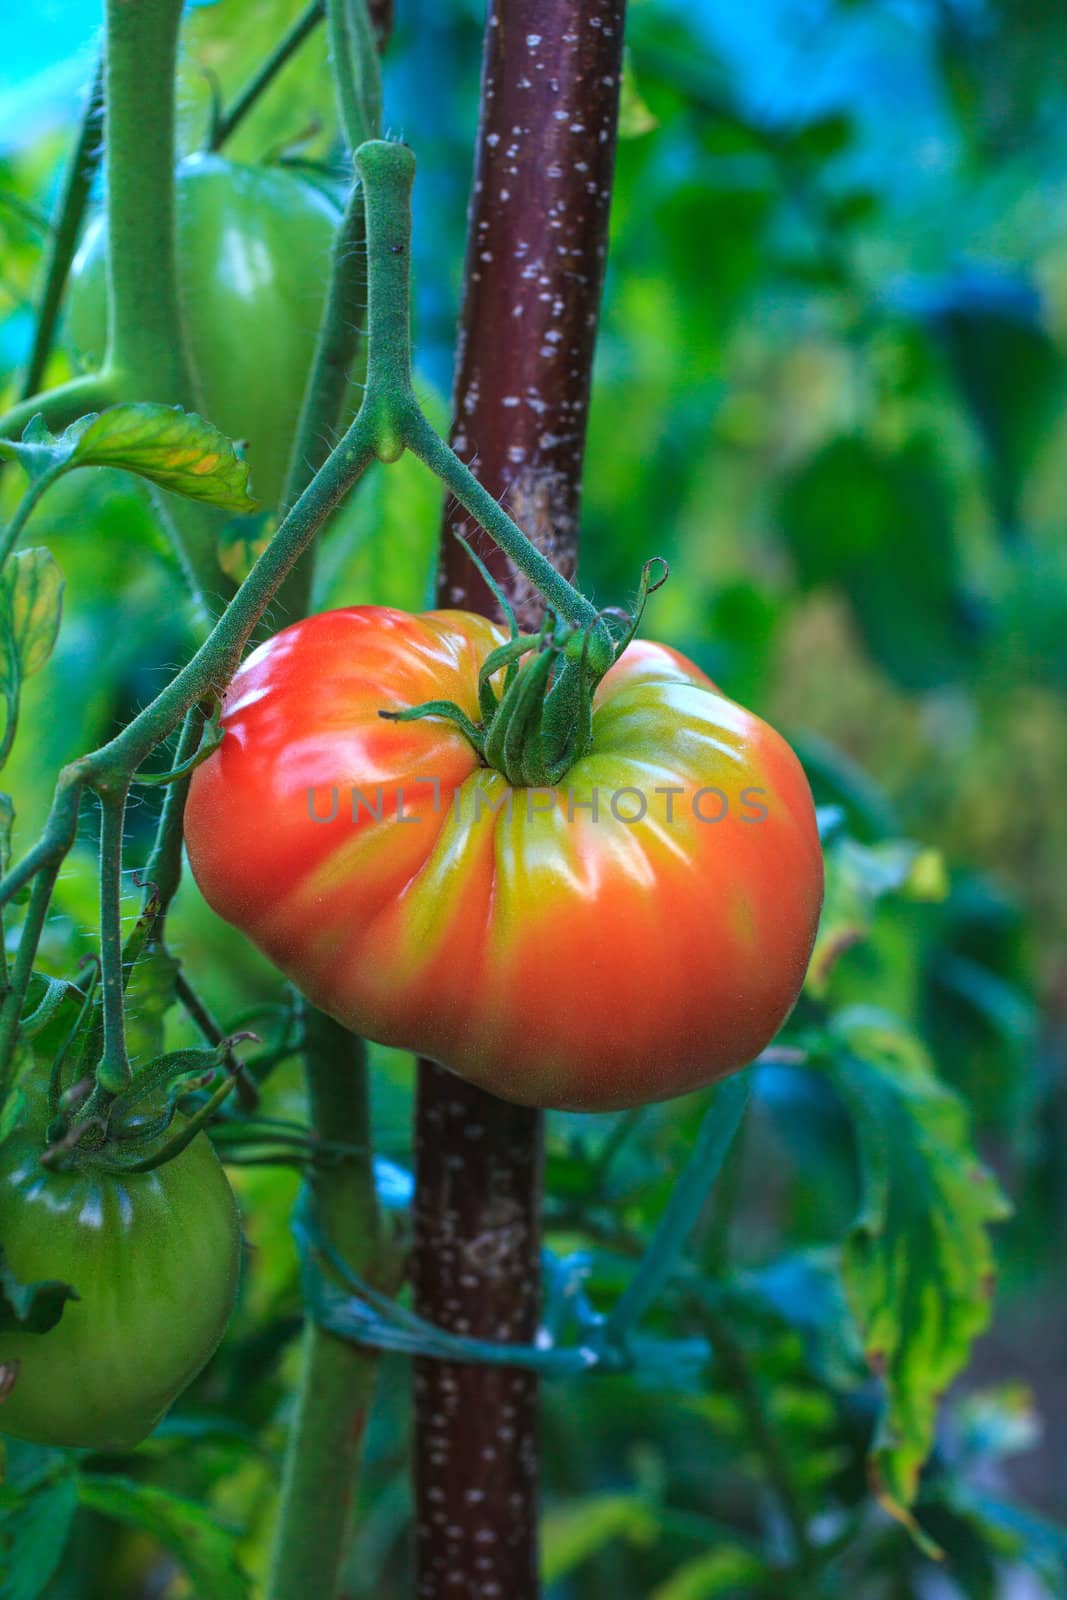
x: 253, y: 248
x: 153, y: 1257
x: 555, y: 957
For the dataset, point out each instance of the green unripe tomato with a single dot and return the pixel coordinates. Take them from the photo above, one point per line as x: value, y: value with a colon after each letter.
x: 153, y: 1257
x: 253, y: 266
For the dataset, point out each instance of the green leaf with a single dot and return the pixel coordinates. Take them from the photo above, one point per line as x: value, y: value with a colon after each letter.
x: 204, y: 1547
x: 31, y: 604
x: 858, y: 876
x: 878, y: 524
x: 635, y: 118
x: 574, y: 1532
x: 39, y: 451
x: 822, y: 138
x: 728, y: 1571
x: 241, y: 543
x: 33, y: 1536
x: 1009, y: 372
x: 918, y: 1264
x: 170, y: 447
x: 30, y: 1307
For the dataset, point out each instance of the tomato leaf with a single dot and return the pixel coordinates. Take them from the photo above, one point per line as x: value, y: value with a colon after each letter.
x: 729, y: 1572
x: 170, y: 447
x: 917, y: 1265
x: 33, y: 1535
x: 30, y: 1307
x: 635, y: 117
x: 173, y: 448
x: 31, y: 592
x: 242, y: 542
x: 39, y: 451
x: 858, y: 876
x: 575, y: 1532
x: 205, y: 1548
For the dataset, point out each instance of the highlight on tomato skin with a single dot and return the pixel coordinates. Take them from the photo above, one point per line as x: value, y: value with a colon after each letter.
x: 635, y: 932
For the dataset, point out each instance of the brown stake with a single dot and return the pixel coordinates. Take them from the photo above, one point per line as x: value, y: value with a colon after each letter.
x: 537, y: 238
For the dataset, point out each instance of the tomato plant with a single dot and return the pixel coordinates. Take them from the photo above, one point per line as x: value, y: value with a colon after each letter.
x: 557, y: 861
x: 153, y: 1259
x: 254, y: 246
x: 634, y: 932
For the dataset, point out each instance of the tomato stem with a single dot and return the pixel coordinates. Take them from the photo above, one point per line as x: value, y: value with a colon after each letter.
x: 225, y: 124
x: 74, y: 198
x: 326, y: 1439
x: 144, y: 315
x: 341, y: 339
x: 113, y: 1073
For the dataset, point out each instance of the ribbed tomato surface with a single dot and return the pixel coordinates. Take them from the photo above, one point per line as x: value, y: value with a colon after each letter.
x: 556, y: 955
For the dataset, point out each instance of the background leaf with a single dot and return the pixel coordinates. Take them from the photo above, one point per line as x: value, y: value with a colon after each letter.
x: 205, y: 1549
x: 918, y: 1265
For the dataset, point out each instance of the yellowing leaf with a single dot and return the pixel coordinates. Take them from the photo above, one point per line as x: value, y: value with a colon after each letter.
x: 32, y: 598
x: 918, y: 1265
x: 242, y: 542
x: 176, y: 449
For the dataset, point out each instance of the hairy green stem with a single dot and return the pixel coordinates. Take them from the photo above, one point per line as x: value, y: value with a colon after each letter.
x: 336, y: 355
x: 64, y: 404
x: 226, y: 123
x: 73, y: 200
x: 357, y: 80
x: 144, y: 315
x: 22, y: 970
x: 163, y: 869
x: 354, y: 48
x: 113, y: 1075
x: 146, y: 340
x: 336, y: 1375
x: 563, y: 598
x: 39, y: 486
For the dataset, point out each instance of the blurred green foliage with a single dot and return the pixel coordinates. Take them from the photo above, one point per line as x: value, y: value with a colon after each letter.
x: 830, y: 391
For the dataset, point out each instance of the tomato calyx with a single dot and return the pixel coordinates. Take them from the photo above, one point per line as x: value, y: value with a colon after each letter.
x: 541, y: 721
x: 143, y: 1128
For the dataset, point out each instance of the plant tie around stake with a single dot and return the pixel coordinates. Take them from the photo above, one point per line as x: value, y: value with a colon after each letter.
x: 346, y: 1304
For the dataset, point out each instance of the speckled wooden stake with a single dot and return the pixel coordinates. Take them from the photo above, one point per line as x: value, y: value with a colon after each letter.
x: 536, y: 245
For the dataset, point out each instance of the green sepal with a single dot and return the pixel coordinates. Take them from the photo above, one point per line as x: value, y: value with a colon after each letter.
x: 30, y: 1307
